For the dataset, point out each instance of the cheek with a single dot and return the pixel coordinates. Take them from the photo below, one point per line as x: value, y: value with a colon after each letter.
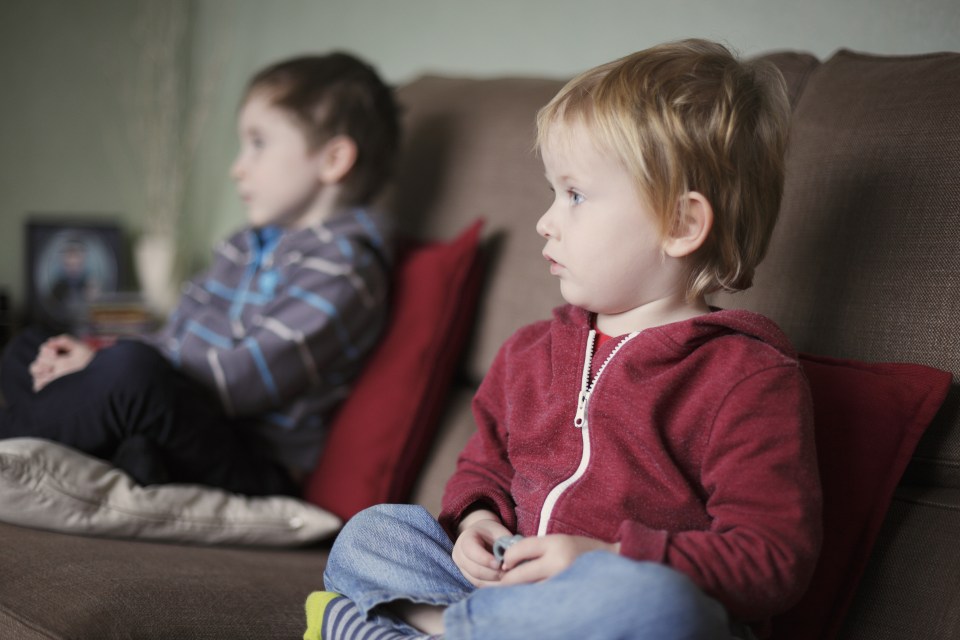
x: 602, y: 246
x: 293, y: 169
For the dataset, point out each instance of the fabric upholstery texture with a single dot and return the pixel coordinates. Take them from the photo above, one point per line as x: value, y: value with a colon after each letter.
x: 50, y: 486
x: 796, y: 68
x: 470, y: 154
x: 382, y: 434
x: 912, y: 593
x: 66, y: 586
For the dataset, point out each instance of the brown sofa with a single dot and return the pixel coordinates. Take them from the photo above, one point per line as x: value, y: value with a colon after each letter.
x: 865, y: 264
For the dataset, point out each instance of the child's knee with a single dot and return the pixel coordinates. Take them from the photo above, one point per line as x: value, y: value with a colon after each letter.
x: 131, y: 354
x: 366, y: 535
x: 360, y: 531
x: 384, y: 530
x: 132, y: 366
x: 374, y: 524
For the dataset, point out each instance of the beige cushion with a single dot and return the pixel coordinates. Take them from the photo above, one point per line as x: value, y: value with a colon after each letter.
x: 49, y: 486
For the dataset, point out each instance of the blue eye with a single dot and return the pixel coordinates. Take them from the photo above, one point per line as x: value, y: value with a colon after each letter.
x: 575, y: 198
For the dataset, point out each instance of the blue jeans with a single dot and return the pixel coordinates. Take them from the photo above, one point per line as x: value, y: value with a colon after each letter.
x: 399, y: 552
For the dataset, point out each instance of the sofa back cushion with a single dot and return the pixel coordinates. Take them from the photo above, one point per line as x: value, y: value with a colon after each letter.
x: 469, y: 153
x: 864, y: 261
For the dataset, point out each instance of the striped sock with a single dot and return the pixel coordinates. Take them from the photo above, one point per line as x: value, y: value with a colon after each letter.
x: 331, y: 616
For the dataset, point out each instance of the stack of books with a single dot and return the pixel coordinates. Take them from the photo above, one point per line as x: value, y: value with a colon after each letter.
x: 116, y: 315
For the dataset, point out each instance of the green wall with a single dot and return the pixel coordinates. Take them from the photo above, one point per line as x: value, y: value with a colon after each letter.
x: 61, y: 149
x: 65, y: 144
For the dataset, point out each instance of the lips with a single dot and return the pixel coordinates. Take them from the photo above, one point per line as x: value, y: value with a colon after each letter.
x: 555, y: 267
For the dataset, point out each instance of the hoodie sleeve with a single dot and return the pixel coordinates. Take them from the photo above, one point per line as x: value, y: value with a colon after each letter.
x: 484, y: 475
x: 763, y: 495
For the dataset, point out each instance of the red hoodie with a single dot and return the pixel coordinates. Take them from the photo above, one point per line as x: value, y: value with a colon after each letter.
x: 695, y: 450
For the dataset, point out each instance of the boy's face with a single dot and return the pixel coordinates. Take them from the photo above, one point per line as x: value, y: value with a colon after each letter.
x: 276, y: 173
x: 603, y: 241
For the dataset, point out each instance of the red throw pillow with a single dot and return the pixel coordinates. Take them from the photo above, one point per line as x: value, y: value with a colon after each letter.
x: 382, y: 433
x: 868, y: 421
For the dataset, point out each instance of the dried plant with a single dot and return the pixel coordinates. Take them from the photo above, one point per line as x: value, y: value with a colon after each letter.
x: 165, y: 119
x: 164, y: 123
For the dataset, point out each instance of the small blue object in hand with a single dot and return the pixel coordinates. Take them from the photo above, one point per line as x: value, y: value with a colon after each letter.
x: 501, y: 545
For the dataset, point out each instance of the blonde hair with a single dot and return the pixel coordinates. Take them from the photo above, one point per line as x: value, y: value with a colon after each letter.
x: 689, y: 116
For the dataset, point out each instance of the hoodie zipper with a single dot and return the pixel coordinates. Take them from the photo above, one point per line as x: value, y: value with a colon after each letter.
x: 580, y: 421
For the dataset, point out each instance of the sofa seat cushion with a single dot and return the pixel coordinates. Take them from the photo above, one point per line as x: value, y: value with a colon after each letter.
x: 58, y: 586
x: 897, y: 597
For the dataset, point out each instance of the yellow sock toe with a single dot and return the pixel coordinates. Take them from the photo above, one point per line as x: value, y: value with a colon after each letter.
x: 316, y: 606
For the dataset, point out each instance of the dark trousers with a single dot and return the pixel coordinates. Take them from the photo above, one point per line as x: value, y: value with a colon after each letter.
x: 129, y: 406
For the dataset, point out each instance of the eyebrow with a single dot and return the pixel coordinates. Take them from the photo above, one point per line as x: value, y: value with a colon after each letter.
x: 566, y: 177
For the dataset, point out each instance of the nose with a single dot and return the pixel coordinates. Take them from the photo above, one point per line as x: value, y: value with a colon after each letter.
x: 545, y: 225
x: 236, y: 169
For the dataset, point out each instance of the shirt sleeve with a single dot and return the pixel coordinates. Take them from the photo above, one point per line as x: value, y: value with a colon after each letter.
x: 314, y: 331
x: 763, y: 494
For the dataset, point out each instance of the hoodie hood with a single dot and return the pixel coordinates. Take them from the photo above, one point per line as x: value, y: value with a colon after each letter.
x: 687, y: 335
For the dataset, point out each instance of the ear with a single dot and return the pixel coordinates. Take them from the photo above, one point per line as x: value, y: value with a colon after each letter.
x: 693, y: 225
x: 336, y: 158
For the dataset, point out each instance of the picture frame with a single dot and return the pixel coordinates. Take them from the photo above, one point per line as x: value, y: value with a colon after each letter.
x: 71, y: 261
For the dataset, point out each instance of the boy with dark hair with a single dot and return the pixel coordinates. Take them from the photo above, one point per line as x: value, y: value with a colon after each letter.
x: 235, y: 391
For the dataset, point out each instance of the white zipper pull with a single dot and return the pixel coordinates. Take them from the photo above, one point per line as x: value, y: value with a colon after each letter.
x: 581, y: 416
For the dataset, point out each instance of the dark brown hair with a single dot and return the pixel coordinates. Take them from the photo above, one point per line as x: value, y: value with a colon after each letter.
x: 338, y: 94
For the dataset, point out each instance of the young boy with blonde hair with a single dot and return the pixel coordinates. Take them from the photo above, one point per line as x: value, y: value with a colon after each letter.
x: 236, y: 390
x: 655, y: 455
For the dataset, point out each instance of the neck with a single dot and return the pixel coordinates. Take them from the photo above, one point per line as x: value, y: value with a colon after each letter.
x: 652, y: 314
x: 325, y: 205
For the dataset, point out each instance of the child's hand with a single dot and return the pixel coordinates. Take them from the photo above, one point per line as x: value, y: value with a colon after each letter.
x: 472, y: 552
x: 535, y: 559
x: 57, y: 357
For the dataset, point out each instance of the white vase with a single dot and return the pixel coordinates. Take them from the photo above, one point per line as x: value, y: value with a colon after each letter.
x: 155, y: 259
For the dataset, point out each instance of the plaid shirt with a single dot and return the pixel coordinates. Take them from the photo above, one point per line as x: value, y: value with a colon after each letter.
x: 281, y: 324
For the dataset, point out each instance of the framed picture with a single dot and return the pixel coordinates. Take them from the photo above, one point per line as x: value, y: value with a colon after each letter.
x: 70, y: 263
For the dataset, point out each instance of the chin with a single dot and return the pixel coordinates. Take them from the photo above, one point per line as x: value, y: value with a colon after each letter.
x: 258, y: 222
x: 571, y: 297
